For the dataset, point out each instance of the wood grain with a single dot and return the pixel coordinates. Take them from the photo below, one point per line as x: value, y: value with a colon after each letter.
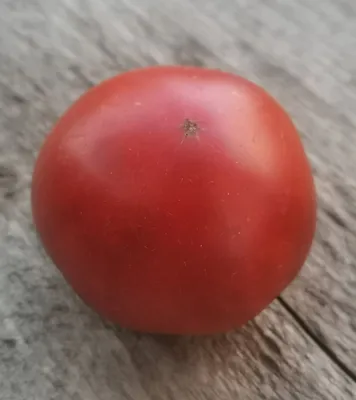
x: 304, y: 345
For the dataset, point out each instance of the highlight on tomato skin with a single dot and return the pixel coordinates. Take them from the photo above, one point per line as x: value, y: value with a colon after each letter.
x: 175, y: 199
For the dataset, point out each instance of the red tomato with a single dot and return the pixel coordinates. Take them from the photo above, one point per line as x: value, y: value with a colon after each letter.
x: 175, y: 199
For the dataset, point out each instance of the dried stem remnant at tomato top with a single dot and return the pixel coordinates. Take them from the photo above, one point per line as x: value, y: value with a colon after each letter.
x: 190, y: 128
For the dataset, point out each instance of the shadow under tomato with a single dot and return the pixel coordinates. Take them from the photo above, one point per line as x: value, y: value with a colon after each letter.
x: 243, y: 355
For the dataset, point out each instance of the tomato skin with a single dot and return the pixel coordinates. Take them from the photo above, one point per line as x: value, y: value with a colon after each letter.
x: 175, y: 199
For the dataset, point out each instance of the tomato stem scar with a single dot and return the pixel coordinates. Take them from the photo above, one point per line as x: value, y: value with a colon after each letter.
x: 190, y: 128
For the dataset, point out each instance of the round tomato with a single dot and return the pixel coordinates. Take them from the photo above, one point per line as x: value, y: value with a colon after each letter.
x: 175, y: 199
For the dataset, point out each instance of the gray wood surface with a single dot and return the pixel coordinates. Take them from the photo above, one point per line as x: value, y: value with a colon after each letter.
x: 304, y: 345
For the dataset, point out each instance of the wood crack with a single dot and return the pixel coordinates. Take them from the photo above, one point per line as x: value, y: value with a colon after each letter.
x: 317, y: 340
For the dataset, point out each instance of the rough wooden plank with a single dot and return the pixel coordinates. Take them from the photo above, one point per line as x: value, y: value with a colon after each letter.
x: 51, y: 345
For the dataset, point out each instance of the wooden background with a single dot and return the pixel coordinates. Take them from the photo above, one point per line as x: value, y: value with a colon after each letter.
x: 304, y: 345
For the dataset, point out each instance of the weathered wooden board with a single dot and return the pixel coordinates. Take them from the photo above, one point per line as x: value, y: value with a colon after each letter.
x: 304, y: 345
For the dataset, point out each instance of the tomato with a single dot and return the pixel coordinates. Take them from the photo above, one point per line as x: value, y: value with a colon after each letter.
x: 175, y: 199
